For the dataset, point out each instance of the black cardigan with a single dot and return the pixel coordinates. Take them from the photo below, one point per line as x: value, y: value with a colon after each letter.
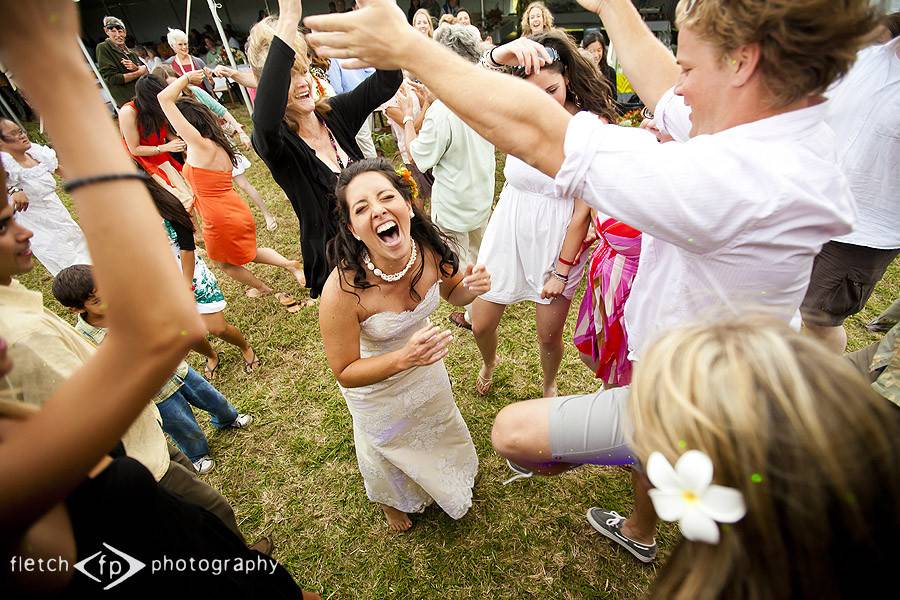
x: 307, y: 181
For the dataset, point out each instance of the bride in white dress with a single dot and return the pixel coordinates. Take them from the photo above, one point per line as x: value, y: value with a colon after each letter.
x: 412, y: 444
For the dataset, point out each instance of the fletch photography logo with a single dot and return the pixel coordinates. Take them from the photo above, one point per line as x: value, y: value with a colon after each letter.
x: 109, y: 568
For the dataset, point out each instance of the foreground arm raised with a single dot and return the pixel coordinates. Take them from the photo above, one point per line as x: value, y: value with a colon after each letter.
x: 124, y: 236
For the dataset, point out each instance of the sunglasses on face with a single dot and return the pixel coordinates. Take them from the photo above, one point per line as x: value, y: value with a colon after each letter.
x: 115, y: 28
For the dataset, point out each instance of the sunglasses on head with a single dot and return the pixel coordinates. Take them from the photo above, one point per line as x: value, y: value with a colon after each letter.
x: 120, y: 28
x: 551, y: 52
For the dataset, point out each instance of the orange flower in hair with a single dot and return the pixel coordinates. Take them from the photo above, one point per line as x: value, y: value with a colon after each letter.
x: 407, y: 175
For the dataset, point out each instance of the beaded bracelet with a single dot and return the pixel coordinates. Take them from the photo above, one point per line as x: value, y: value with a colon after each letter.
x: 558, y: 275
x: 73, y: 184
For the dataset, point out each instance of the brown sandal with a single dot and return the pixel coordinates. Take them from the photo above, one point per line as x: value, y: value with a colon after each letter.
x: 459, y: 319
x: 298, y: 306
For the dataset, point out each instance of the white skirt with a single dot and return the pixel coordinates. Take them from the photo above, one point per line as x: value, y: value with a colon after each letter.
x: 521, y: 244
x: 242, y: 166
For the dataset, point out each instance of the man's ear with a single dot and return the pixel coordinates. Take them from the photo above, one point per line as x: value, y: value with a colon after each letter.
x: 744, y: 63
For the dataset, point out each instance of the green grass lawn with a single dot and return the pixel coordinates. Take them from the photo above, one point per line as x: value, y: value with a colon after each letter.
x: 292, y: 474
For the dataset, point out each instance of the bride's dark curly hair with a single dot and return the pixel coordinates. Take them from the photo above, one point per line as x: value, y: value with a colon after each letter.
x: 345, y: 251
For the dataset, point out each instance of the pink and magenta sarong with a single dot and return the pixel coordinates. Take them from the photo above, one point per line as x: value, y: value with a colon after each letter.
x: 600, y: 334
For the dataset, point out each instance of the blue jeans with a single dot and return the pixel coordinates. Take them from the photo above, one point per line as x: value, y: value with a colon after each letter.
x: 178, y: 418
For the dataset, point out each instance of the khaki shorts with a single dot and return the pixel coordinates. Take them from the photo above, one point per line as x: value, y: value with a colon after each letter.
x: 591, y: 429
x: 843, y: 277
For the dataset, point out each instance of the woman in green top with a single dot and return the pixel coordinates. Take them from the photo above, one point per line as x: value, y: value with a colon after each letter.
x: 234, y: 129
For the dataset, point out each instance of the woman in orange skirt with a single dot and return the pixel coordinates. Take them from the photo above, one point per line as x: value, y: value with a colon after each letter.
x: 229, y: 230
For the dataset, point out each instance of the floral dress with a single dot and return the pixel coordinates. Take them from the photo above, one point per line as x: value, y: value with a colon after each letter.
x: 207, y: 294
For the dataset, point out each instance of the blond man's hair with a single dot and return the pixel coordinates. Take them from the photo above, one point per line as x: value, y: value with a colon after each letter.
x: 548, y: 18
x: 796, y: 429
x: 805, y: 45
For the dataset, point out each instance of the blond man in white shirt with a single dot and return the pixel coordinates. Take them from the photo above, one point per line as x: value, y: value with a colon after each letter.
x: 865, y: 115
x: 734, y: 215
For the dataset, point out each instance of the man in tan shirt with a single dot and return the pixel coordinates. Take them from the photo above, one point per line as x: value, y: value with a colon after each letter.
x: 46, y: 350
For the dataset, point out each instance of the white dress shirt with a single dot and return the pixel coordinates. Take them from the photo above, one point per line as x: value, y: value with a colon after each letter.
x: 865, y: 115
x: 731, y: 221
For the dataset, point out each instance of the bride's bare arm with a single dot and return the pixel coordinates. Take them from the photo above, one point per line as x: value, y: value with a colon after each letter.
x: 340, y: 327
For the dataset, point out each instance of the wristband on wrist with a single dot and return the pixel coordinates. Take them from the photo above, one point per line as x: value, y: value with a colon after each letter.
x: 73, y: 184
x: 565, y: 262
x: 558, y: 275
x: 491, y: 56
x: 407, y: 119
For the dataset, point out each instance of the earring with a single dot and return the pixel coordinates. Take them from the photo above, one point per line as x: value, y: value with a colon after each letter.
x: 574, y: 97
x: 357, y: 237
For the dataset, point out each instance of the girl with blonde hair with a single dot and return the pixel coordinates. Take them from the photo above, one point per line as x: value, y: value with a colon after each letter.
x: 423, y: 23
x: 536, y: 19
x: 798, y: 436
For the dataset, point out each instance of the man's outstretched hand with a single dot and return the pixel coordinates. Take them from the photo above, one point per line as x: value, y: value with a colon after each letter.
x: 376, y: 35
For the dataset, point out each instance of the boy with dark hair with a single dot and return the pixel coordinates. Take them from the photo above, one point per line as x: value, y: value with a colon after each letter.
x: 75, y: 289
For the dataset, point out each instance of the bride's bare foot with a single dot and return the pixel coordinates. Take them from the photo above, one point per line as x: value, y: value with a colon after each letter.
x: 296, y: 270
x: 397, y: 519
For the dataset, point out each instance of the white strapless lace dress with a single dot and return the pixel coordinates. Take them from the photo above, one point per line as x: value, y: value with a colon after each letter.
x: 412, y: 444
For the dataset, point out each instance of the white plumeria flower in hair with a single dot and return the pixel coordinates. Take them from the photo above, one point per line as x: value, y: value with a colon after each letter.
x: 685, y: 494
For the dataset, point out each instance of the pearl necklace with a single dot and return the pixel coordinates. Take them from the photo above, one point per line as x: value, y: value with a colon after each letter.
x: 392, y: 276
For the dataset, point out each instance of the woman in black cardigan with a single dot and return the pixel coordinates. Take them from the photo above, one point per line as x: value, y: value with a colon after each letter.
x: 306, y: 143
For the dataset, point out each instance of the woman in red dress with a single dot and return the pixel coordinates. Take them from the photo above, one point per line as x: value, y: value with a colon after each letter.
x: 146, y: 132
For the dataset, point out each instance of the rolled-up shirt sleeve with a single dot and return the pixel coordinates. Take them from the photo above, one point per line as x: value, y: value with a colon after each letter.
x: 673, y: 116
x: 685, y: 194
x: 433, y: 140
